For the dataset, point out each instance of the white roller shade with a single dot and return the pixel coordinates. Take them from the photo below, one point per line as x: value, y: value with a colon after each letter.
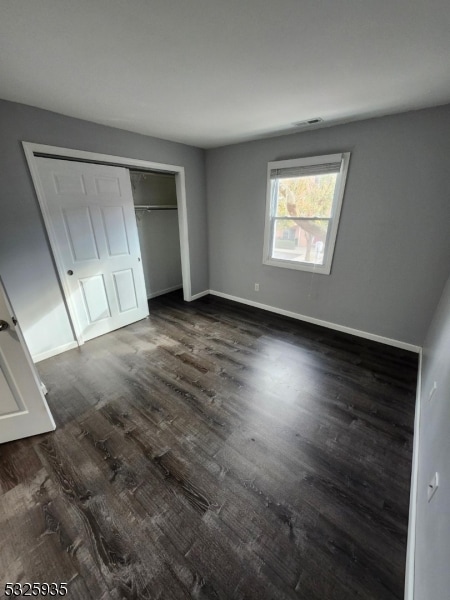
x: 304, y: 171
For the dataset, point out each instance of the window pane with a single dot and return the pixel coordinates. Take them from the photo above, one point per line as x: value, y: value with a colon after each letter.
x: 300, y: 241
x: 309, y: 196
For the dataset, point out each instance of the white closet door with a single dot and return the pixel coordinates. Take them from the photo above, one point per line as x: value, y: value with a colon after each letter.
x: 91, y: 214
x: 23, y: 409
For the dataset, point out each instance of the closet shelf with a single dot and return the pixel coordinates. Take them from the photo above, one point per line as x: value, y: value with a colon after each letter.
x: 155, y: 207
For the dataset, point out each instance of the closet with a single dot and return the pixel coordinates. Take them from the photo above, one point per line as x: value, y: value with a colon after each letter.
x: 155, y: 202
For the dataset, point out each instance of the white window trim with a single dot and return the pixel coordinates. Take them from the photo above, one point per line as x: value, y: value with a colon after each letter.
x: 324, y: 269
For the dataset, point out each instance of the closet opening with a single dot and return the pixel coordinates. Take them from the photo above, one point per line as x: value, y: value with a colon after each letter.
x: 156, y: 208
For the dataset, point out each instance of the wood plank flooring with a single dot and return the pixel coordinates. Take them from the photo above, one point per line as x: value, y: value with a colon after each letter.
x: 216, y: 451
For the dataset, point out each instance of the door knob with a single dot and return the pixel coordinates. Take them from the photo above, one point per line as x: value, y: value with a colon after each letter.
x: 3, y: 325
x: 70, y: 272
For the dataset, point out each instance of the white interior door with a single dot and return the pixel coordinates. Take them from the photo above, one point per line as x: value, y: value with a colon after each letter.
x: 23, y: 408
x: 92, y: 226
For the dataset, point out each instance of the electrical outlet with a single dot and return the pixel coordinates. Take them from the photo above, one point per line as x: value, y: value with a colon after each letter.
x: 256, y: 287
x: 433, y: 486
x: 433, y: 389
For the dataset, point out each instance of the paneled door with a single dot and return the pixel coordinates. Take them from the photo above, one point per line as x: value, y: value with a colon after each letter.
x: 89, y: 212
x: 23, y: 408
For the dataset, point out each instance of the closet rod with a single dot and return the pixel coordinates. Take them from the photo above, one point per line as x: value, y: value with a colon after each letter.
x: 155, y: 207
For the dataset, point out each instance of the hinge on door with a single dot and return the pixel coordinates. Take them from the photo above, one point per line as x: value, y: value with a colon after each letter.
x: 14, y: 320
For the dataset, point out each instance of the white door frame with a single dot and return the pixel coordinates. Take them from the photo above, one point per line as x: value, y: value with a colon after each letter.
x: 31, y: 149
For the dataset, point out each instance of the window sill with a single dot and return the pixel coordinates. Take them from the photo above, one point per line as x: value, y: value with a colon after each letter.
x: 299, y: 266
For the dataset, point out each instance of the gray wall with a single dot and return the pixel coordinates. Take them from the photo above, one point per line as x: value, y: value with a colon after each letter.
x: 25, y: 261
x: 393, y: 247
x: 159, y: 239
x: 432, y: 573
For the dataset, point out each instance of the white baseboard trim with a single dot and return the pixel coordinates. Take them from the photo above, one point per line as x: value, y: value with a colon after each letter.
x: 166, y: 291
x: 287, y: 313
x: 54, y: 351
x: 411, y: 545
x: 199, y: 295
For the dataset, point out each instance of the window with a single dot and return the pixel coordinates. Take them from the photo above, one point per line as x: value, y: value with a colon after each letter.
x: 304, y: 198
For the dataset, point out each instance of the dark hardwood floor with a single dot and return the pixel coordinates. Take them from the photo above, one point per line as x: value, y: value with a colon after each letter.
x: 216, y: 451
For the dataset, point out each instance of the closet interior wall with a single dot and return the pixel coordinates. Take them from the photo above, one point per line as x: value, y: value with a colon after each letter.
x: 155, y: 200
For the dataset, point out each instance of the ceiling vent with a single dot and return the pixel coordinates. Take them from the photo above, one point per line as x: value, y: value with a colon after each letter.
x: 308, y: 122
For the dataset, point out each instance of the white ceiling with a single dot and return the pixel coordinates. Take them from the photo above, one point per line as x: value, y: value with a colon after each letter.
x: 213, y: 72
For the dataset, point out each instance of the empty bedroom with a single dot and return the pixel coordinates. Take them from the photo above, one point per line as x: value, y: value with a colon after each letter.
x: 224, y: 300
